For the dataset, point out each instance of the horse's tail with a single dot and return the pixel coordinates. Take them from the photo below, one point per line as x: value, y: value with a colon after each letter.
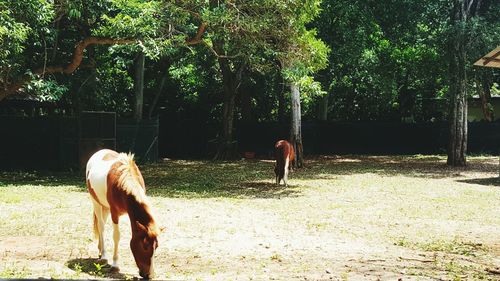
x: 96, y: 227
x: 282, y: 160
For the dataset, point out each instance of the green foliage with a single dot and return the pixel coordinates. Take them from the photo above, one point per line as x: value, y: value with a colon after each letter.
x: 131, y: 19
x: 46, y: 90
x: 20, y: 22
x: 186, y: 75
x: 387, y: 60
x: 303, y: 53
x: 375, y: 60
x: 12, y: 34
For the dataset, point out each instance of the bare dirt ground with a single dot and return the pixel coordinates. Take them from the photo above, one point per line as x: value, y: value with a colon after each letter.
x: 341, y: 218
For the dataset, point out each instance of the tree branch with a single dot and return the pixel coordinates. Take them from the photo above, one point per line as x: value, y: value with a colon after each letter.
x: 469, y: 6
x: 217, y: 55
x: 197, y: 38
x: 68, y: 69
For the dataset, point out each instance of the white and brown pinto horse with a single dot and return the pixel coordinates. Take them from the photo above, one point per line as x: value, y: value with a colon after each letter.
x: 285, y: 157
x: 117, y: 187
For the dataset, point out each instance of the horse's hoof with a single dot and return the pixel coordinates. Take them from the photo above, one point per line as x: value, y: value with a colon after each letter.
x: 114, y: 269
x: 102, y: 261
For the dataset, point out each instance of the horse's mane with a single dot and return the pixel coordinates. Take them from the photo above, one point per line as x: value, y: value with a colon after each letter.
x: 129, y: 176
x: 129, y: 182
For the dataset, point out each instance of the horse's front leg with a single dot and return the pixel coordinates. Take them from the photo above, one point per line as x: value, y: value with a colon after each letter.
x: 116, y: 240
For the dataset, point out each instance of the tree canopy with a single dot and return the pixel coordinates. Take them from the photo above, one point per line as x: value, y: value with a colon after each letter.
x: 230, y: 60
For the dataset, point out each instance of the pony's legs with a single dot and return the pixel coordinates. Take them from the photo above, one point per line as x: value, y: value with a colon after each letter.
x: 98, y: 226
x: 285, y: 176
x: 101, y: 214
x: 116, y: 240
x: 105, y: 215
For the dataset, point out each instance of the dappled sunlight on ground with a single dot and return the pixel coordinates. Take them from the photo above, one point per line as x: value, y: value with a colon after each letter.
x: 341, y: 217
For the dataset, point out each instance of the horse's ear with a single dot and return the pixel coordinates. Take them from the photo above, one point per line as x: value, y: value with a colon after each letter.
x: 141, y: 227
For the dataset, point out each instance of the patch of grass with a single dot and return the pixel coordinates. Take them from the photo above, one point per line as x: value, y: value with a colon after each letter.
x: 77, y: 267
x: 453, y: 247
x: 317, y: 226
x: 404, y: 242
x: 459, y: 272
x: 276, y: 257
x: 11, y: 198
x: 93, y: 267
x: 11, y: 272
x: 450, y: 247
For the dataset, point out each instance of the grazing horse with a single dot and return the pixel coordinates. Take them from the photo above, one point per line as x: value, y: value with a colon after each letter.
x: 285, y: 156
x: 117, y: 187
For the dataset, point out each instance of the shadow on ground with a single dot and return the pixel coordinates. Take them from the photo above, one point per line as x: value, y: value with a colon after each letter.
x: 39, y: 178
x: 207, y: 179
x: 93, y: 267
x: 255, y: 178
x: 494, y: 181
x: 242, y: 190
x: 408, y: 165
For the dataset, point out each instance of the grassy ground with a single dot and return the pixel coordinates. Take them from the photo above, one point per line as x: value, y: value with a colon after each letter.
x: 341, y: 218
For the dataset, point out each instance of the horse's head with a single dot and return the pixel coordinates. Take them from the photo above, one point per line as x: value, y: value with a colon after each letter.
x: 143, y: 245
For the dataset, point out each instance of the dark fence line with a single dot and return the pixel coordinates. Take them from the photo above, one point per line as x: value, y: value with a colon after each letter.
x: 52, y: 142
x: 140, y: 138
x: 195, y: 139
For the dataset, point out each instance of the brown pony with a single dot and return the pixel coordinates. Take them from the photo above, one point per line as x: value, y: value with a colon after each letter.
x: 285, y: 157
x: 117, y: 187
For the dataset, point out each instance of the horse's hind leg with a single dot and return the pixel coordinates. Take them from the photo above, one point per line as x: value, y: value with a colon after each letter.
x: 100, y: 215
x: 105, y: 215
x: 285, y: 172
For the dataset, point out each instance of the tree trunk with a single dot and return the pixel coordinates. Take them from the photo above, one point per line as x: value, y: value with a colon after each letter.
x: 281, y: 100
x: 484, y: 89
x: 139, y: 87
x: 227, y: 148
x: 295, y: 128
x: 158, y: 94
x: 246, y: 103
x: 323, y: 108
x: 457, y: 143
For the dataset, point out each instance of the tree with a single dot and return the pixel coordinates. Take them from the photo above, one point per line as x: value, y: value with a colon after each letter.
x: 302, y: 56
x: 296, y: 126
x: 34, y: 17
x: 464, y: 18
x: 246, y: 35
x: 385, y: 59
x: 484, y: 83
x: 139, y: 86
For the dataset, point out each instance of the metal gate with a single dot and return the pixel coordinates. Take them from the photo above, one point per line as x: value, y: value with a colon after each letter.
x: 97, y: 130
